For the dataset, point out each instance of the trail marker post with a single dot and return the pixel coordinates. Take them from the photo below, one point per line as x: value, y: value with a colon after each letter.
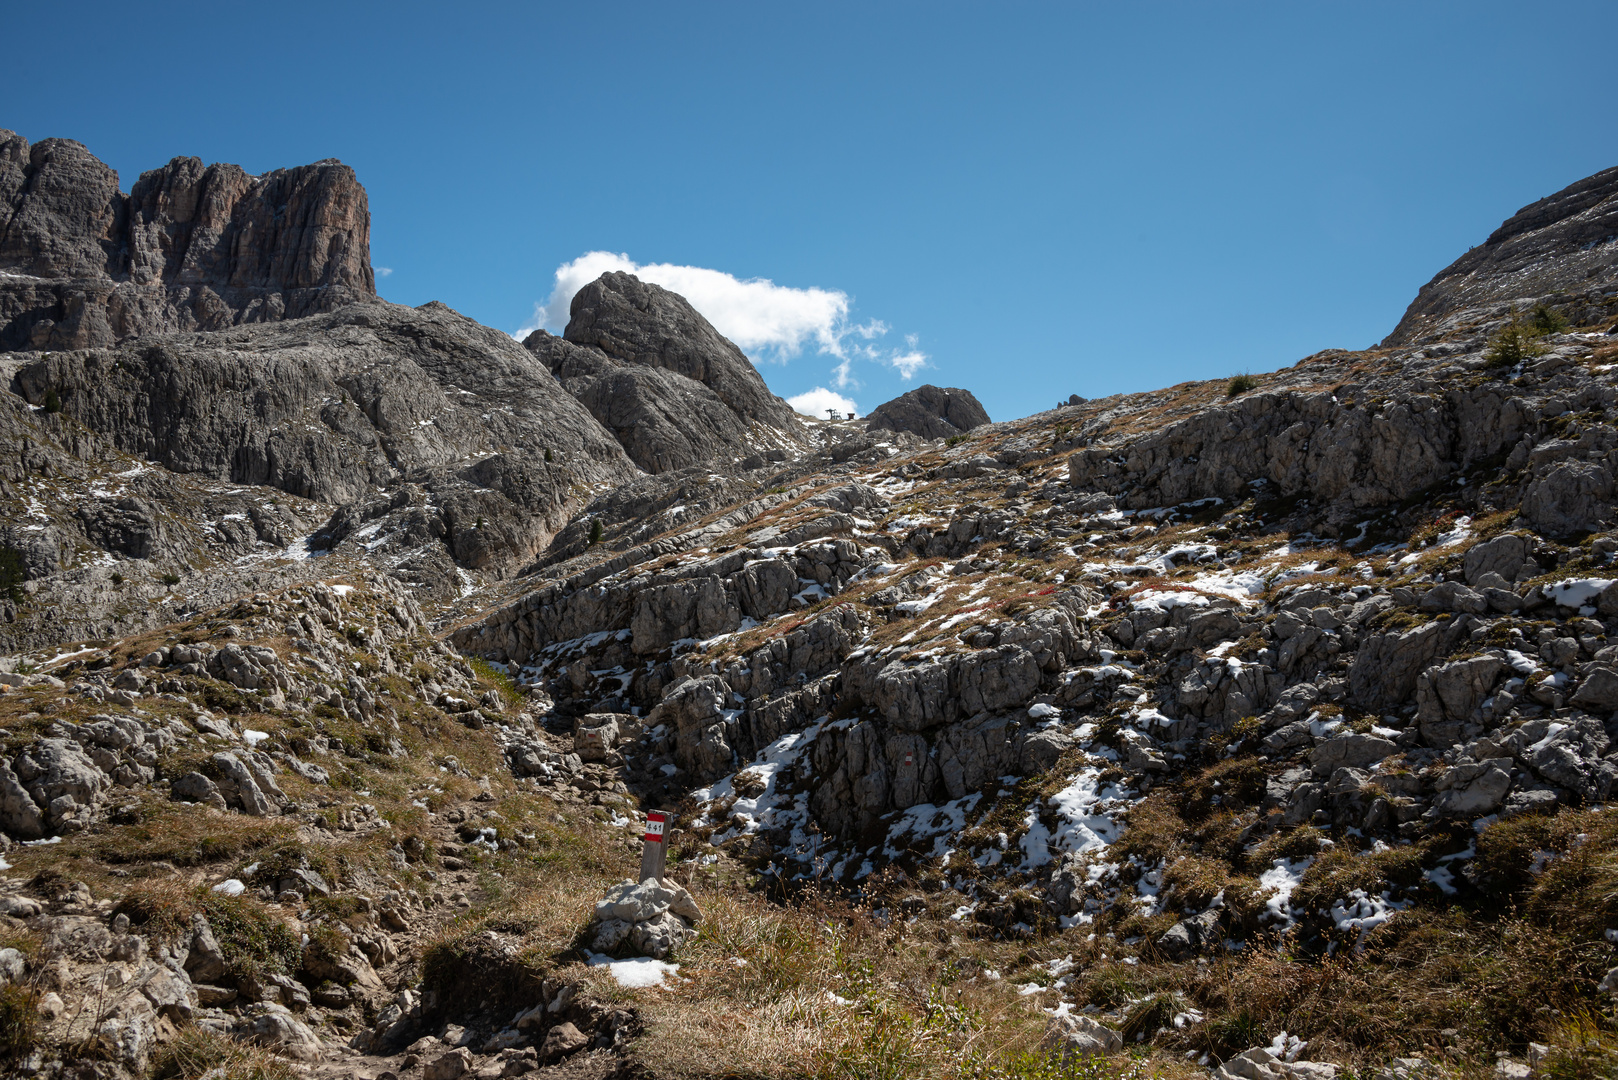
x: 654, y: 852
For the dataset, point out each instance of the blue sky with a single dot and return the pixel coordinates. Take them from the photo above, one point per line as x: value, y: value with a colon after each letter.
x: 1026, y: 200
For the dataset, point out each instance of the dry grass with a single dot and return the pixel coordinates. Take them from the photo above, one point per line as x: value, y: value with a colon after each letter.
x: 199, y: 1053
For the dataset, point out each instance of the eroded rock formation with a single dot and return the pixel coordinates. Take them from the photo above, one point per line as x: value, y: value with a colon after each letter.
x: 191, y: 247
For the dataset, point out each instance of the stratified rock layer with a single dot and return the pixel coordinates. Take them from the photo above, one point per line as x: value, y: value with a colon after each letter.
x: 932, y: 412
x: 451, y: 431
x: 192, y: 247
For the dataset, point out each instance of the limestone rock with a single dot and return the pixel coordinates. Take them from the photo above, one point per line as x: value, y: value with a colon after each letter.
x: 1557, y: 243
x: 931, y: 412
x: 1078, y: 1036
x: 1474, y: 789
x: 640, y: 323
x: 273, y: 1026
x: 1574, y: 496
x: 665, y: 420
x: 1349, y: 751
x: 1190, y: 936
x: 64, y: 782
x: 190, y: 248
x: 452, y: 422
x: 562, y: 1040
x: 205, y: 963
x: 448, y: 1066
x: 19, y: 815
x: 1448, y: 696
x: 194, y: 787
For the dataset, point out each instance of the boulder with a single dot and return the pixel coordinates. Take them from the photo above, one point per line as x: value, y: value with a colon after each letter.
x: 1504, y: 555
x: 1385, y: 670
x: 1190, y: 936
x: 1448, y: 697
x: 1473, y: 789
x: 1078, y: 1036
x: 1572, y: 497
x: 1260, y: 1064
x: 1598, y: 692
x: 205, y: 962
x: 457, y: 1062
x: 560, y: 1041
x: 274, y: 1027
x: 63, y: 780
x: 1349, y: 751
x: 194, y: 787
x: 19, y: 814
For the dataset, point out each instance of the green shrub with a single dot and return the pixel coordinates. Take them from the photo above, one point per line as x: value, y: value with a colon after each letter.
x: 595, y: 531
x: 548, y: 457
x: 1547, y: 320
x: 52, y: 402
x: 1516, y: 341
x: 171, y: 579
x: 1240, y: 384
x: 12, y: 574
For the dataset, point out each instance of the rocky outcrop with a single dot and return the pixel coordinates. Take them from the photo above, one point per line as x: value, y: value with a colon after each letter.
x: 665, y: 420
x: 1565, y: 243
x: 932, y: 412
x: 191, y: 247
x: 430, y: 428
x: 635, y: 322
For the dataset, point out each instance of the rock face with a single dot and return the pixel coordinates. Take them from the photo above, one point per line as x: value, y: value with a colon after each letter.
x: 932, y: 412
x: 665, y: 420
x: 636, y: 323
x: 1565, y: 242
x: 191, y: 247
x: 424, y: 427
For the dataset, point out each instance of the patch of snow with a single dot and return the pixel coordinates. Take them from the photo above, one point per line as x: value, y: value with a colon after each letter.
x: 1281, y: 879
x: 1578, y: 592
x: 639, y: 972
x: 230, y: 887
x: 1088, y: 818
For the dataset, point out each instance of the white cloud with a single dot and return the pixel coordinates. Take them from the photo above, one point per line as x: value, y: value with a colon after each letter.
x: 843, y: 374
x: 815, y: 402
x: 909, y: 363
x: 383, y: 271
x: 765, y: 320
x: 768, y: 322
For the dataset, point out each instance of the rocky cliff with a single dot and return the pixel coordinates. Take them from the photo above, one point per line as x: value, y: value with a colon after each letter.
x: 189, y: 248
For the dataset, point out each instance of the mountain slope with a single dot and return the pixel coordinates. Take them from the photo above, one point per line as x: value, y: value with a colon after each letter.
x: 1195, y: 721
x: 1565, y: 246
